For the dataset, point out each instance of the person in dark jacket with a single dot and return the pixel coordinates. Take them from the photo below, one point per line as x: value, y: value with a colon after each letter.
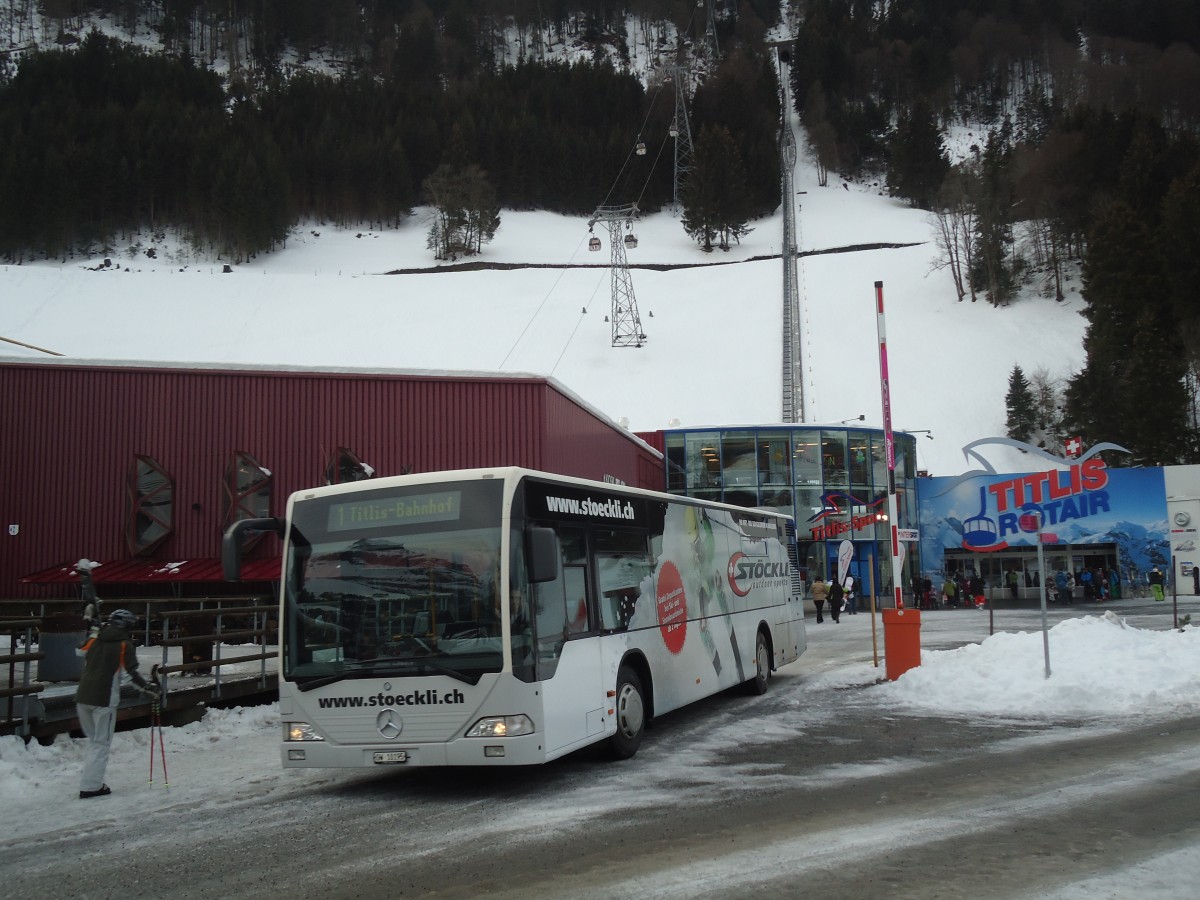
x: 1157, y: 584
x: 835, y: 600
x: 106, y: 656
x: 975, y: 585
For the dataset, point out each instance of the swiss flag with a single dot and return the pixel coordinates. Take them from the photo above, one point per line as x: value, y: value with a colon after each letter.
x: 1073, y: 447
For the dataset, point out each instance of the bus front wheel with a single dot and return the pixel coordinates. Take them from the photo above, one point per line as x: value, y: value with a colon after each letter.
x: 631, y: 715
x: 762, y: 666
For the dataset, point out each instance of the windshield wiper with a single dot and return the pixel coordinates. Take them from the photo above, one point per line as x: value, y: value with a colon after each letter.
x: 347, y: 672
x: 405, y: 667
x: 321, y: 682
x: 446, y: 670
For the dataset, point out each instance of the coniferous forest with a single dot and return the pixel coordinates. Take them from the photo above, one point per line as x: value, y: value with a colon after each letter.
x: 103, y: 139
x: 1083, y: 157
x: 246, y: 118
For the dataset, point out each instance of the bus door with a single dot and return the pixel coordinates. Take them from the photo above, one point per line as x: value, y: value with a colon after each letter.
x: 568, y: 651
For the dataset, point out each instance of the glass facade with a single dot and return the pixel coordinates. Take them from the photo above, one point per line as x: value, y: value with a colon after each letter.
x: 833, y: 481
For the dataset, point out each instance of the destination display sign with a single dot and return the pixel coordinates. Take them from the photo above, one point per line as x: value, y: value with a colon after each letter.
x: 382, y: 512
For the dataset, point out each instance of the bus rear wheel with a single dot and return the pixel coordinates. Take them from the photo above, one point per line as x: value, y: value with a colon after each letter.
x: 762, y: 667
x: 630, y: 710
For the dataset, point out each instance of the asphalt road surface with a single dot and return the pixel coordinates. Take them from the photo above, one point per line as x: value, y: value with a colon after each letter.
x: 812, y: 790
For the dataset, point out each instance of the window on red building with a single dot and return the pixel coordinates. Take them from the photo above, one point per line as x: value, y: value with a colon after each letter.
x: 345, y: 466
x: 149, y: 505
x: 247, y: 491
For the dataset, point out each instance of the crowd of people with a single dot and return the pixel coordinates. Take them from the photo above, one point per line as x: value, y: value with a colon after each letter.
x: 963, y: 589
x: 966, y: 589
x: 1089, y: 584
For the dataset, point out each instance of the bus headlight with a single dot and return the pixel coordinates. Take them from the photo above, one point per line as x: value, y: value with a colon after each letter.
x: 501, y: 726
x: 300, y: 731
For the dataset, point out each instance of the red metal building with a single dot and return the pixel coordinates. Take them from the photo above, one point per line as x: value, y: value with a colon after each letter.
x: 141, y: 466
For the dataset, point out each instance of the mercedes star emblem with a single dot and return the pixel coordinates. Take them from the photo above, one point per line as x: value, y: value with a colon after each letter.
x: 389, y: 724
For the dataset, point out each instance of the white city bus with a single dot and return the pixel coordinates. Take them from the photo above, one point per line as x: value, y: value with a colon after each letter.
x: 508, y: 617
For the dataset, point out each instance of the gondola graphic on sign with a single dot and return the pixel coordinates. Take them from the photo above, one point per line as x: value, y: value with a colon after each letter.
x: 980, y: 531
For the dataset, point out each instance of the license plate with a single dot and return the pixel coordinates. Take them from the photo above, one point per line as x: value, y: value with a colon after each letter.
x: 391, y: 757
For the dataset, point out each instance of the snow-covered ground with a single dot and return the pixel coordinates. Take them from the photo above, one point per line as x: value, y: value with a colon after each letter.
x: 1103, y: 671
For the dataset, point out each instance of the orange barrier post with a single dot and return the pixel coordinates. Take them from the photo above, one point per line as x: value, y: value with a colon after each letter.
x: 901, y: 640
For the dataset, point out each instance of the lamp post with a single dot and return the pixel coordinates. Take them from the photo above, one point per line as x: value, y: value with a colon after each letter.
x: 859, y: 418
x: 1042, y: 592
x: 1034, y: 518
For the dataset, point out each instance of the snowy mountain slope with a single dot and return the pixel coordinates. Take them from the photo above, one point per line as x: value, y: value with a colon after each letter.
x: 713, y: 325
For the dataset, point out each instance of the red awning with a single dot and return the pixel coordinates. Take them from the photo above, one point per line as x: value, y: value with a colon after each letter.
x: 148, y: 571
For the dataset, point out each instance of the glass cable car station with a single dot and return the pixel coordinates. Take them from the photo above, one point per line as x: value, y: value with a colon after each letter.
x: 832, y: 479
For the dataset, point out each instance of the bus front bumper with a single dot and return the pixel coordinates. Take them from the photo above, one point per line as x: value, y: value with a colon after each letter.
x: 525, y: 750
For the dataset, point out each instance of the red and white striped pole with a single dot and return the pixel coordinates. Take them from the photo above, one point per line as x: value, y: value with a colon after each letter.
x: 889, y: 444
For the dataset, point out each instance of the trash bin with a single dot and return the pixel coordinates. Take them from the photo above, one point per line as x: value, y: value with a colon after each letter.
x: 901, y: 641
x: 58, y: 638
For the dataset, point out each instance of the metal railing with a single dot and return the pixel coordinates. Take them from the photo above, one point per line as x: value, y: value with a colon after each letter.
x: 259, y: 631
x: 17, y: 629
x: 215, y: 622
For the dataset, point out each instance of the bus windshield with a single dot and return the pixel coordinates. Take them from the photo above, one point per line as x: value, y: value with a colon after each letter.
x: 394, y: 583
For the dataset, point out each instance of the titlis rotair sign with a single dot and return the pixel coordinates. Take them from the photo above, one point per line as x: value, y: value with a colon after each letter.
x: 1013, y: 506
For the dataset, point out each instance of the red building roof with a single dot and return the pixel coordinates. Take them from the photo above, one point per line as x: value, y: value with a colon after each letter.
x: 146, y: 571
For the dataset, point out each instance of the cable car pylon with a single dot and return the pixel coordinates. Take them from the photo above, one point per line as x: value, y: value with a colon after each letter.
x: 626, y: 321
x: 712, y: 50
x: 681, y: 132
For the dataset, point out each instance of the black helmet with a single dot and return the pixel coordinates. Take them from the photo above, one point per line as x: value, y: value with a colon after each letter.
x: 122, y: 618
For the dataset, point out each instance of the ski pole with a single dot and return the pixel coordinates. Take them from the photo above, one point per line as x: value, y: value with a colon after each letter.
x: 156, y: 725
x: 162, y: 749
x: 152, y: 749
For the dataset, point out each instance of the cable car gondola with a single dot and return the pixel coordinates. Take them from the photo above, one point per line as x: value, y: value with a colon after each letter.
x: 594, y: 244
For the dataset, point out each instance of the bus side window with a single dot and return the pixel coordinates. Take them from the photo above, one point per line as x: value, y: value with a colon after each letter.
x: 623, y: 560
x: 562, y: 605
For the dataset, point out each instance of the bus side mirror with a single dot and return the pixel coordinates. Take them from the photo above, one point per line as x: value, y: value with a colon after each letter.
x: 542, y: 545
x: 231, y: 543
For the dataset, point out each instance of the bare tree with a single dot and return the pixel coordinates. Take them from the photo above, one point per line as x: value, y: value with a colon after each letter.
x: 956, y: 218
x: 1047, y: 401
x: 466, y: 213
x: 821, y: 134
